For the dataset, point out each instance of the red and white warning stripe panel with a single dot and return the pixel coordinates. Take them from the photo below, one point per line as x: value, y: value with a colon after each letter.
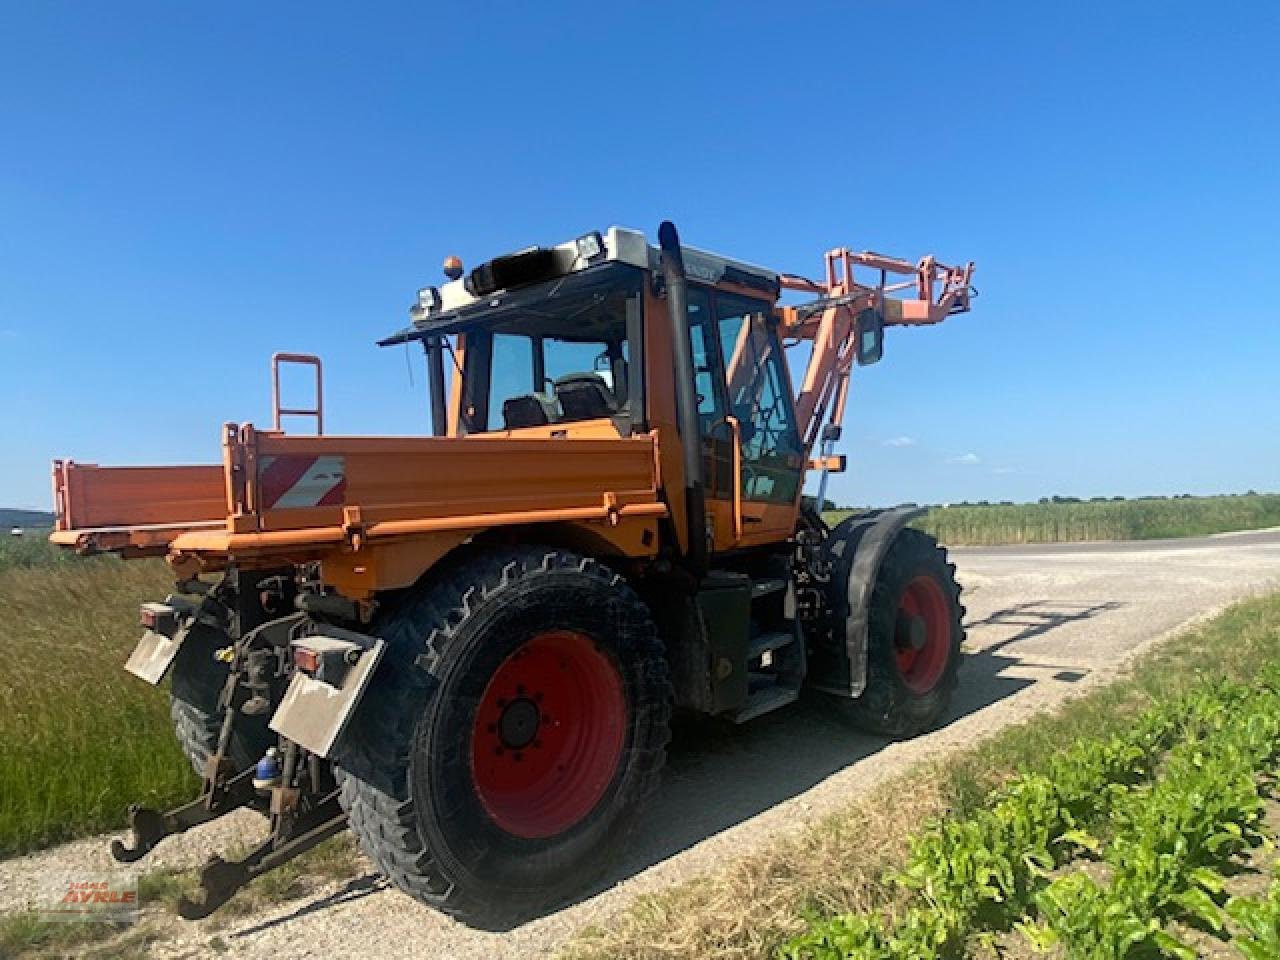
x: 301, y: 481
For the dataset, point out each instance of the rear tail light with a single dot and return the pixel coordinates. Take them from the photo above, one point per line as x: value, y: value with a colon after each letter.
x: 160, y: 617
x: 306, y: 660
x: 327, y: 659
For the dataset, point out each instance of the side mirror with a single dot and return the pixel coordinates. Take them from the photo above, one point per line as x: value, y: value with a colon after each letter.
x: 870, y: 337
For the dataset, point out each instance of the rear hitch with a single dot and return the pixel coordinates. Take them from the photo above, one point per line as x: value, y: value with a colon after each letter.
x: 221, y: 879
x: 148, y: 827
x: 303, y: 799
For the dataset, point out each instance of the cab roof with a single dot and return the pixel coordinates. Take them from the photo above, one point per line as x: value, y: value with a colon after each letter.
x: 522, y: 277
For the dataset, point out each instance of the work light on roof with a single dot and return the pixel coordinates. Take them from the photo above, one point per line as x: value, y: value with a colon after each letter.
x: 428, y: 298
x: 590, y: 245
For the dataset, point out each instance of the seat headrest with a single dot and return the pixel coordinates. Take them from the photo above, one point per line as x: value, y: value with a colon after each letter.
x: 584, y: 396
x: 523, y: 411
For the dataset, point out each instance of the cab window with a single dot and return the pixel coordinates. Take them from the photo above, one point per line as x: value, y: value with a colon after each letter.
x: 561, y: 361
x: 759, y: 397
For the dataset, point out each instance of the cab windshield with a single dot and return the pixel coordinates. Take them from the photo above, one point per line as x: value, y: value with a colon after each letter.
x: 564, y: 358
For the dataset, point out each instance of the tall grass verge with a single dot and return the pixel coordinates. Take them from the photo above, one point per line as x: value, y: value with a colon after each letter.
x: 79, y: 739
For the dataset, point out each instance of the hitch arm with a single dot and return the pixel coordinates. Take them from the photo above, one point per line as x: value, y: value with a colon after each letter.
x: 148, y: 827
x: 221, y: 879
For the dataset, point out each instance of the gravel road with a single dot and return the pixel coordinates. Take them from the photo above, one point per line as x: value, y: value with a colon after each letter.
x: 1044, y: 622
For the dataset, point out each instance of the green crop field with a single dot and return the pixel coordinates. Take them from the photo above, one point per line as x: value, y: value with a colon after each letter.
x: 1053, y: 522
x: 79, y: 739
x: 1121, y: 847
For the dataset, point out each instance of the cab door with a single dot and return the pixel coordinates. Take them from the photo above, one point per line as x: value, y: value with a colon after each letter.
x: 753, y: 454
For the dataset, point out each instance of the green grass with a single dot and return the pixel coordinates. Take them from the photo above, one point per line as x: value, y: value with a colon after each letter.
x: 79, y: 738
x: 34, y: 550
x: 27, y: 934
x: 753, y: 905
x: 1146, y: 519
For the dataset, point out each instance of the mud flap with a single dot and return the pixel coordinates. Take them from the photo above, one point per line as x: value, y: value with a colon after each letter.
x: 153, y: 655
x: 167, y: 626
x: 314, y: 712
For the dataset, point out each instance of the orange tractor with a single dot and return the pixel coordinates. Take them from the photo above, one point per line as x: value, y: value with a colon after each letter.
x: 467, y: 647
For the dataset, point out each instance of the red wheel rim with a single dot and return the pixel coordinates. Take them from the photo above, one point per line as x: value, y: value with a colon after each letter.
x: 922, y: 635
x: 548, y: 734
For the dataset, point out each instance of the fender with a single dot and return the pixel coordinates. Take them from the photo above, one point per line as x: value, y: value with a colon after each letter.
x: 321, y: 698
x: 167, y: 626
x: 870, y: 536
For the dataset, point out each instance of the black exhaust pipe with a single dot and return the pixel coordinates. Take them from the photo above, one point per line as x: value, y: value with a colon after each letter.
x: 686, y: 397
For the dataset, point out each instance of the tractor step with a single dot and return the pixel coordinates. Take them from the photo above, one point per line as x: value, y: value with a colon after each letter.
x: 764, y: 701
x: 768, y: 642
x: 762, y: 588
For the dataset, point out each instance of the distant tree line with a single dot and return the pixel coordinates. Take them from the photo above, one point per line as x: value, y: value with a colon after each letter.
x: 831, y: 505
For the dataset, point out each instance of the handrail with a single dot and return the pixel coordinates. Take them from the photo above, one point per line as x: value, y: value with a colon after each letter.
x: 736, y: 428
x: 276, y: 410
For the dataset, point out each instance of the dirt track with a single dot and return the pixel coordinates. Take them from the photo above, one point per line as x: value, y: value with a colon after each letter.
x: 1043, y: 623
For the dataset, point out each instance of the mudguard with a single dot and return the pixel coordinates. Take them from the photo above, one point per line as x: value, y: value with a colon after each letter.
x: 869, y: 536
x: 314, y: 712
x: 158, y: 648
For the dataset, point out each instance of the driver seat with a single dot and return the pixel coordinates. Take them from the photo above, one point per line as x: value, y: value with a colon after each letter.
x: 585, y: 396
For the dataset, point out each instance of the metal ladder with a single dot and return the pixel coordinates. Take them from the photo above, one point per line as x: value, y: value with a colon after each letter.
x: 277, y: 411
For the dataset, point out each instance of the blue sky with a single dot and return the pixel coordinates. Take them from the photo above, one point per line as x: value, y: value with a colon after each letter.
x: 185, y: 188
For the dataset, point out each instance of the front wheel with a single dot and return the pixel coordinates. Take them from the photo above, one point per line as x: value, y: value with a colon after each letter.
x: 913, y: 640
x: 519, y: 718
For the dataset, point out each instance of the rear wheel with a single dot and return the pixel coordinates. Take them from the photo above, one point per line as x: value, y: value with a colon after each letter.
x: 518, y: 719
x: 913, y: 640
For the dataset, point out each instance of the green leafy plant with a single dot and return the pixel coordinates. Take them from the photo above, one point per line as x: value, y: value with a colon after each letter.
x: 1260, y: 918
x: 1180, y: 794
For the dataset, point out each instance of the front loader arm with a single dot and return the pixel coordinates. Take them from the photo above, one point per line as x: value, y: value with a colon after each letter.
x: 831, y: 322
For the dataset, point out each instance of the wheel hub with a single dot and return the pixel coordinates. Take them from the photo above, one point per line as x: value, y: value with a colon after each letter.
x: 548, y: 734
x: 913, y: 632
x: 518, y: 726
x: 922, y: 633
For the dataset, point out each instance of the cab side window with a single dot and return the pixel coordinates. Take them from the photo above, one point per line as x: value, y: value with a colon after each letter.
x: 760, y: 399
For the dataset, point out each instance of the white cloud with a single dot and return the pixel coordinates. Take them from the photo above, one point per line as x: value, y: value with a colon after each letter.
x: 966, y: 459
x: 899, y: 442
x: 1003, y: 470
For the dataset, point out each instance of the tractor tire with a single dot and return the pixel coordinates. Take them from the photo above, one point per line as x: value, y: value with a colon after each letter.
x: 196, y: 680
x: 915, y: 631
x: 518, y: 719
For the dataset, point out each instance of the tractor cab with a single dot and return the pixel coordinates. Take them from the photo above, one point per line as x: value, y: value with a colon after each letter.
x: 577, y: 341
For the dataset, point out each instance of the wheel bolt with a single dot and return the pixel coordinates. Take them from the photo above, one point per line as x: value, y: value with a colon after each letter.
x: 518, y: 756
